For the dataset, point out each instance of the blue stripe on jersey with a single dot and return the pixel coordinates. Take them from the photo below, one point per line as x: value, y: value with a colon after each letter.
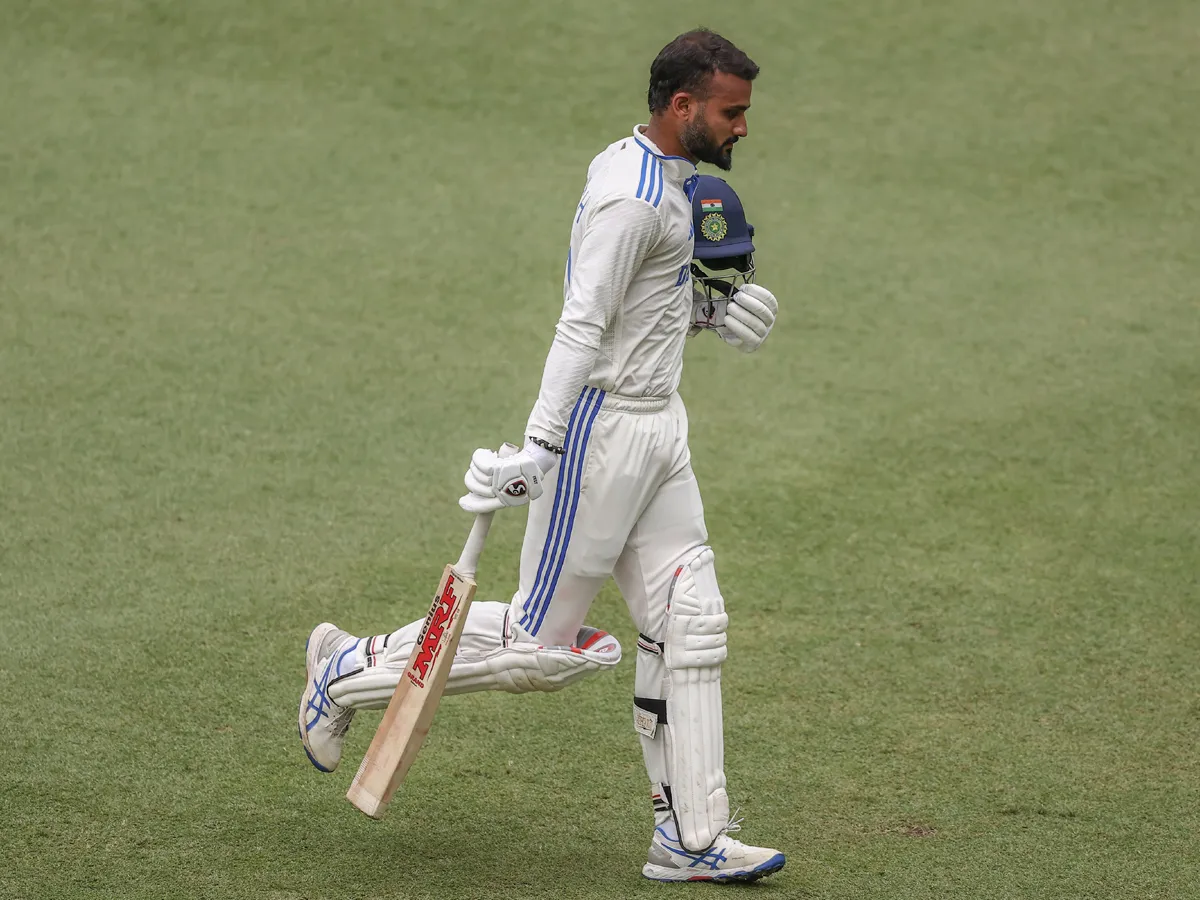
x: 570, y: 473
x: 661, y: 181
x: 638, y: 141
x: 642, y: 183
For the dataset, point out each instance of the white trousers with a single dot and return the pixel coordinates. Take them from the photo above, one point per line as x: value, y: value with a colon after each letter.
x: 623, y: 502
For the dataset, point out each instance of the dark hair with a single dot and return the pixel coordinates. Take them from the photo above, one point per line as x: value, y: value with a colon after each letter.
x: 689, y: 61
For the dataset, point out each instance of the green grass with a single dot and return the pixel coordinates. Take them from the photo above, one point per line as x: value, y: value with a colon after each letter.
x: 270, y: 270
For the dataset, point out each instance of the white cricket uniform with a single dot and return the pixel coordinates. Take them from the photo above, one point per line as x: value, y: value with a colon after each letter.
x: 624, y: 500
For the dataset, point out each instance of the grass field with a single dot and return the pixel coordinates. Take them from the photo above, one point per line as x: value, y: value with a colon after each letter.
x: 270, y: 270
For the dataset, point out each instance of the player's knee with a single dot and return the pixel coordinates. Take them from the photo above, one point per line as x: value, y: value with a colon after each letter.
x: 693, y: 634
x: 696, y: 619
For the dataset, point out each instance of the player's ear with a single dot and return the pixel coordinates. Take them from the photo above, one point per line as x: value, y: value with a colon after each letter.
x: 682, y: 104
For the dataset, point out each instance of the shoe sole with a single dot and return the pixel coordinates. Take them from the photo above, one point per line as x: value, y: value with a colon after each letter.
x: 311, y: 648
x: 762, y: 870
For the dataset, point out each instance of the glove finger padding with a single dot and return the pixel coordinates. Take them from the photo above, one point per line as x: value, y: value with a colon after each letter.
x: 741, y: 336
x: 749, y: 319
x: 484, y: 460
x: 478, y: 482
x: 761, y: 294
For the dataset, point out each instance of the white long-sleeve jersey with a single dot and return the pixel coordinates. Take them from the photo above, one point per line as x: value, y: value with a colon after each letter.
x: 627, y: 295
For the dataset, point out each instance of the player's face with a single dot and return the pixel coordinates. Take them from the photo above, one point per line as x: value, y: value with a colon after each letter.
x: 719, y: 121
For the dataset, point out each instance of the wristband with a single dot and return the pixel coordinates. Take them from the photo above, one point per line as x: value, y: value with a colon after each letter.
x: 546, y: 445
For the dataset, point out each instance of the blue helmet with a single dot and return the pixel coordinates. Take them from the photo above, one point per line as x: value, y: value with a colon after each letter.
x: 723, y: 258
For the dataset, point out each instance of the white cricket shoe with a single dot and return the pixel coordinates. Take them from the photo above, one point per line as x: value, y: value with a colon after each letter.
x: 323, y: 723
x: 726, y: 860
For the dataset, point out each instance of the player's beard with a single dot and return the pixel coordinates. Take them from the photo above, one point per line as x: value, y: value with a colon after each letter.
x: 698, y: 140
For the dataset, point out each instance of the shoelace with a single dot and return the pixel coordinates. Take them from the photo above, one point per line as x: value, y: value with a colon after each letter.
x: 733, y: 826
x: 735, y: 823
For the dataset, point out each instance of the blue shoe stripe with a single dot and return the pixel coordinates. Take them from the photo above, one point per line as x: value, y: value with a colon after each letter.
x: 712, y: 860
x: 560, y: 501
x: 312, y: 759
x: 578, y: 463
x: 319, y: 702
x: 321, y: 684
x: 775, y: 862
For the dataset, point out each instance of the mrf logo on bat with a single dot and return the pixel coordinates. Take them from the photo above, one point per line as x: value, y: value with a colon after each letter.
x: 430, y: 640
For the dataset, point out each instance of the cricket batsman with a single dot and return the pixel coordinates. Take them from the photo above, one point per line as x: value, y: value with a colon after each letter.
x: 658, y: 253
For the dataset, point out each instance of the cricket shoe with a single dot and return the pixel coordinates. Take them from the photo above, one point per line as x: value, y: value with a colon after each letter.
x: 323, y: 723
x: 727, y: 860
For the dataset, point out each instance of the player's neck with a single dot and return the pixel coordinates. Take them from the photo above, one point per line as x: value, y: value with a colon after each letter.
x: 666, y: 140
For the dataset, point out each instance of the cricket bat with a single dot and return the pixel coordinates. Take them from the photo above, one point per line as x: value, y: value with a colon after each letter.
x: 410, y: 711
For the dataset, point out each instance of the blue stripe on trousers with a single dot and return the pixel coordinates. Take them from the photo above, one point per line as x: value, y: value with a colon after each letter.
x: 569, y: 480
x: 549, y: 593
x: 561, y: 495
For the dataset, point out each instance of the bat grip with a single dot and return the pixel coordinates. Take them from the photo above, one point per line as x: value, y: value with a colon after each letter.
x: 468, y: 562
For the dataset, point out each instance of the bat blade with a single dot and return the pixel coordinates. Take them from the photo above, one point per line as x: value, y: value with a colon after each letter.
x: 410, y: 711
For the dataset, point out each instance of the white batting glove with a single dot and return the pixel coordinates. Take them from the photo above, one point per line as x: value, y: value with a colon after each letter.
x: 494, y: 482
x: 749, y: 317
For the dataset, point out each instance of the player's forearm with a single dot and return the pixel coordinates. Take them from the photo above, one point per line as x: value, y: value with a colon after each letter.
x: 570, y: 361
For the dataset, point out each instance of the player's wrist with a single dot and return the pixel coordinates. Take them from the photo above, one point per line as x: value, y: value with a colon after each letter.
x: 544, y: 456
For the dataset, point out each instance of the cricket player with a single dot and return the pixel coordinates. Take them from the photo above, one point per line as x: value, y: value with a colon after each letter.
x: 607, y: 473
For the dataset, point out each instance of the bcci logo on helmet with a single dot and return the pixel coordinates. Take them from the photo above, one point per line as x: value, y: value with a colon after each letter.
x: 714, y: 227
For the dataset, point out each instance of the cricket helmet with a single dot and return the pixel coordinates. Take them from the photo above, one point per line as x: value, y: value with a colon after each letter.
x: 723, y: 258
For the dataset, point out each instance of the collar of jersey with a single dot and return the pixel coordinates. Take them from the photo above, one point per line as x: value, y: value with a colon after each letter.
x: 678, y: 168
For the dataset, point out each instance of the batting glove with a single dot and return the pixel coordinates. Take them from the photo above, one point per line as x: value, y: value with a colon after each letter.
x: 494, y: 482
x: 749, y: 318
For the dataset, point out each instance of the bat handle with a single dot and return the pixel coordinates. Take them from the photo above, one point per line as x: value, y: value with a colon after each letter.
x: 468, y: 562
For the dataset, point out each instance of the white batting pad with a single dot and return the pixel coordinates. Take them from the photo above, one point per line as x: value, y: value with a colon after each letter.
x: 492, y: 656
x: 683, y: 738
